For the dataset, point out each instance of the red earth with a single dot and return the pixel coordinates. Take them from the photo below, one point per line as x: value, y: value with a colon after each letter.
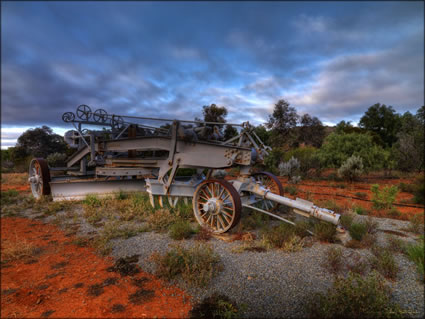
x: 64, y: 280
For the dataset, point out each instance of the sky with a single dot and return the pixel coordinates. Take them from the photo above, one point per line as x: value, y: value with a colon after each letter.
x: 332, y: 60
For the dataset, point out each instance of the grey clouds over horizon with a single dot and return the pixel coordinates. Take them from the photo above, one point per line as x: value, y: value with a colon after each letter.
x: 329, y: 59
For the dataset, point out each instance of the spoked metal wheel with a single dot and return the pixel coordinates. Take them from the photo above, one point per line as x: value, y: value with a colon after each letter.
x: 272, y: 183
x: 39, y: 177
x: 84, y: 112
x: 100, y: 115
x: 217, y: 205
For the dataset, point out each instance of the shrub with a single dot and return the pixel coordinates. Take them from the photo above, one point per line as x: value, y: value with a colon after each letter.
x: 383, y: 198
x: 416, y: 223
x: 181, y: 229
x: 334, y: 259
x: 15, y: 250
x: 291, y: 169
x: 395, y: 244
x: 307, y: 156
x: 355, y: 297
x: 255, y: 220
x: 8, y: 197
x: 215, y: 307
x: 419, y: 190
x: 337, y: 148
x: 92, y: 200
x: 357, y: 231
x: 273, y: 160
x: 361, y: 195
x: 360, y: 210
x: 407, y: 188
x: 416, y: 254
x: 325, y: 231
x: 279, y: 235
x: 384, y: 262
x: 301, y: 229
x: 292, y: 190
x: 371, y: 225
x: 394, y: 212
x: 160, y: 220
x: 57, y: 159
x: 346, y: 220
x: 352, y: 168
x: 196, y: 265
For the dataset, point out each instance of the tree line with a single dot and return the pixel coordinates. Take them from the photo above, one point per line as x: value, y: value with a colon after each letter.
x: 383, y: 139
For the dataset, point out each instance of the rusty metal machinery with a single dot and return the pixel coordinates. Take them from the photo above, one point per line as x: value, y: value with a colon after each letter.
x: 129, y: 153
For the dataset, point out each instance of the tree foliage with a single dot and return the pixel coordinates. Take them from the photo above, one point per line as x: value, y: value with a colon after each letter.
x: 311, y: 131
x: 230, y: 132
x: 39, y: 142
x: 337, y: 148
x: 214, y: 113
x: 382, y: 120
x: 283, y: 119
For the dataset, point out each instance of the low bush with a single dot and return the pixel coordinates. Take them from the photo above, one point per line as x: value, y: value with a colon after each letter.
x: 292, y: 190
x: 283, y: 236
x: 383, y: 261
x: 161, y: 219
x: 383, y: 198
x: 9, y: 197
x: 419, y: 190
x: 291, y: 169
x: 352, y: 168
x: 361, y: 195
x: 346, y: 220
x: 16, y: 249
x: 395, y: 244
x: 407, y: 188
x: 325, y: 232
x: 360, y: 210
x: 254, y: 220
x: 355, y: 297
x: 181, y: 229
x: 334, y: 260
x: 332, y: 205
x: 415, y: 252
x: 216, y: 306
x: 92, y: 200
x: 196, y: 265
x: 357, y: 231
x: 393, y: 212
x: 416, y: 224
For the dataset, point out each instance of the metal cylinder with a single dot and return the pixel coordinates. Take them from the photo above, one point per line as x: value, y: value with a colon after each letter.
x: 320, y: 213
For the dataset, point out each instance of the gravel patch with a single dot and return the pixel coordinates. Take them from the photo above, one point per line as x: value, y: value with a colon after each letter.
x: 273, y: 283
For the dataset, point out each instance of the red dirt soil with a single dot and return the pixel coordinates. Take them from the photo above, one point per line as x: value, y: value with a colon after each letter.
x: 55, y: 282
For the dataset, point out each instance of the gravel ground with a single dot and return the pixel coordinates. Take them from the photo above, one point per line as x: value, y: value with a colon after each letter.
x: 274, y: 283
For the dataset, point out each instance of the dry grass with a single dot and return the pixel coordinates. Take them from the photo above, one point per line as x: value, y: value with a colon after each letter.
x: 14, y: 178
x: 16, y: 249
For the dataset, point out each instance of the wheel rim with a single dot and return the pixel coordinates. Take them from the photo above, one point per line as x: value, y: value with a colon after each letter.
x: 39, y: 177
x: 84, y: 112
x: 100, y: 115
x: 117, y: 122
x: 272, y: 184
x: 217, y: 205
x: 68, y: 117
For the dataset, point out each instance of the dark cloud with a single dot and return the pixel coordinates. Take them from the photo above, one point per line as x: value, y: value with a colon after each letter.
x: 167, y: 59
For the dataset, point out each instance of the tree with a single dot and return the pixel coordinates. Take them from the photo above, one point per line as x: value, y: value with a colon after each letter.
x: 263, y: 134
x: 284, y: 118
x: 337, y: 148
x: 408, y: 151
x: 282, y: 122
x: 214, y: 113
x: 312, y: 131
x: 40, y: 142
x: 382, y: 120
x: 230, y: 132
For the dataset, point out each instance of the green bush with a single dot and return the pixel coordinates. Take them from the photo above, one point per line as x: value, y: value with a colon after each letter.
x: 10, y: 196
x: 277, y: 236
x: 361, y: 195
x: 216, y: 306
x: 273, y: 160
x: 196, y: 265
x: 337, y: 148
x: 325, y: 231
x: 416, y: 223
x: 334, y: 259
x: 394, y: 212
x: 352, y: 168
x: 346, y: 220
x: 383, y: 198
x: 92, y: 200
x: 181, y: 229
x: 415, y: 252
x: 360, y: 210
x: 357, y: 231
x: 383, y: 261
x: 355, y: 297
x: 419, y: 190
x: 291, y: 189
x: 407, y: 188
x: 307, y: 157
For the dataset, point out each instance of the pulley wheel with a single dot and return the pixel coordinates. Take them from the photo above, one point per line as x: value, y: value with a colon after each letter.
x: 271, y: 183
x: 39, y: 177
x: 100, y: 115
x: 68, y: 117
x: 217, y: 205
x: 84, y: 112
x: 117, y: 122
